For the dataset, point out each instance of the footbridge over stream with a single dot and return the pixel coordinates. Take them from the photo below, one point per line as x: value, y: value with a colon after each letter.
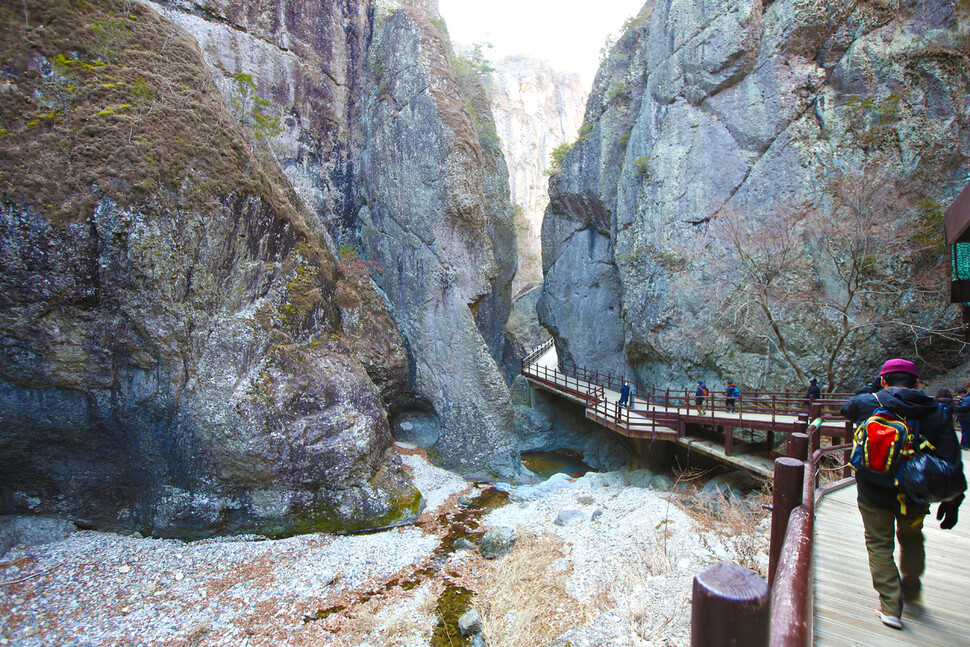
x: 728, y: 436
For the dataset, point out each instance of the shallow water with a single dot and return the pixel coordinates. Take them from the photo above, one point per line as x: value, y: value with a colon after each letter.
x: 545, y: 464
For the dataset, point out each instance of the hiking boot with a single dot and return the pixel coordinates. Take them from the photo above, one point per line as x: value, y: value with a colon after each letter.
x: 888, y: 620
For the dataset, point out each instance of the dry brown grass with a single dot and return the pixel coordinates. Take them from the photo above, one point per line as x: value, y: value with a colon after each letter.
x: 732, y: 518
x: 108, y: 99
x: 375, y: 622
x: 652, y: 623
x: 524, y: 602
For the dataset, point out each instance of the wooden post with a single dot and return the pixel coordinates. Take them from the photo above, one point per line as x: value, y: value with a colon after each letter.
x: 730, y: 607
x: 789, y: 483
x: 797, y: 446
x: 728, y: 441
x: 815, y: 413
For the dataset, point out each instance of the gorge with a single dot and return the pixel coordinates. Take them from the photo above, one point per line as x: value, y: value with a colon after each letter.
x: 246, y: 245
x: 269, y: 270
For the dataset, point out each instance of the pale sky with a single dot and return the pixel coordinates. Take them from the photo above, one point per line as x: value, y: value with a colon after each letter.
x: 569, y: 34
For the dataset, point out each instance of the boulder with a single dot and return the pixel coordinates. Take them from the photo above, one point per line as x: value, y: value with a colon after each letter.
x: 568, y: 517
x: 470, y: 623
x: 32, y: 531
x: 497, y: 542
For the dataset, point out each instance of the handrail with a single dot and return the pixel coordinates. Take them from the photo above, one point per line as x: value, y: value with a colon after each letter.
x: 788, y: 592
x: 536, y: 353
x: 791, y: 592
x: 669, y: 411
x: 774, y: 403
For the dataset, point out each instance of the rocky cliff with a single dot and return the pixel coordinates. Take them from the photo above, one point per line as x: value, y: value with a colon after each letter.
x: 193, y: 220
x: 757, y: 194
x: 537, y: 110
x: 384, y: 144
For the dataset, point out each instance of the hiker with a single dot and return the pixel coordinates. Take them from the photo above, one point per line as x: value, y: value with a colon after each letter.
x: 963, y: 417
x: 884, y: 508
x: 873, y: 387
x: 625, y: 394
x: 814, y: 392
x: 733, y: 393
x: 700, y: 394
x: 945, y: 398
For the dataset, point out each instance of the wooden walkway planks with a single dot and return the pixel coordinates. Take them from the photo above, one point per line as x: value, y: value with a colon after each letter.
x: 845, y: 602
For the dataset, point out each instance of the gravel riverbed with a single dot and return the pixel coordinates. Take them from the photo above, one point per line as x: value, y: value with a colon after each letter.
x: 625, y: 555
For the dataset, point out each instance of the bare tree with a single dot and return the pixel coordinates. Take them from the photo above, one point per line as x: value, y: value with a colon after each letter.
x: 818, y: 282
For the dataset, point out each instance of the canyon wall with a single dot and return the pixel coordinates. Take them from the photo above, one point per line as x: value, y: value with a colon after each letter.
x: 379, y: 140
x: 537, y: 110
x: 245, y: 244
x: 757, y: 195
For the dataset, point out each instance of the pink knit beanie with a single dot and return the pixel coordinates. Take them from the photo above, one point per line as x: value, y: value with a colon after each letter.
x: 899, y: 366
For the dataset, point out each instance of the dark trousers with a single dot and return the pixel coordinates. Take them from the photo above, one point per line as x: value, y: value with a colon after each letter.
x: 881, y: 524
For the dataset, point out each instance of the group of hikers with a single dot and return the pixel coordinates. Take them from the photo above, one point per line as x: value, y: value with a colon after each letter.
x: 628, y: 396
x: 731, y: 393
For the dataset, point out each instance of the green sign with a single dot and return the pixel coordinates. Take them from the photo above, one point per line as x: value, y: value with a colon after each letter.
x: 960, y: 261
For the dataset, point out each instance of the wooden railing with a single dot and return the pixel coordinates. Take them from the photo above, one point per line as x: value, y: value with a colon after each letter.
x: 774, y: 403
x: 778, y: 612
x: 668, y: 411
x: 617, y: 417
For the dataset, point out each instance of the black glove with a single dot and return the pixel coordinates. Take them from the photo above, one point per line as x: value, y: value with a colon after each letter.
x: 948, y: 511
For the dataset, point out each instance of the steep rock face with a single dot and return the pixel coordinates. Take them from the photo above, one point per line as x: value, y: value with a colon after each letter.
x: 778, y: 113
x: 537, y: 109
x: 173, y: 357
x: 445, y: 244
x: 386, y: 155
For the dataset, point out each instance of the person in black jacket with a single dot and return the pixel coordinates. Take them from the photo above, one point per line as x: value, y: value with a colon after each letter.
x: 962, y: 409
x: 884, y: 510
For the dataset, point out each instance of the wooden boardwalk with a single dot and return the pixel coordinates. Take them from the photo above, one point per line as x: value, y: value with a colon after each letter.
x: 845, y: 602
x: 643, y: 416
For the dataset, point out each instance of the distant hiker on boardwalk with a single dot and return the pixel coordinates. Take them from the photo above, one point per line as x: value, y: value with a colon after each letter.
x: 814, y: 392
x: 963, y: 417
x: 945, y: 398
x: 699, y: 396
x: 885, y: 507
x: 625, y: 395
x: 874, y: 387
x: 733, y: 393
